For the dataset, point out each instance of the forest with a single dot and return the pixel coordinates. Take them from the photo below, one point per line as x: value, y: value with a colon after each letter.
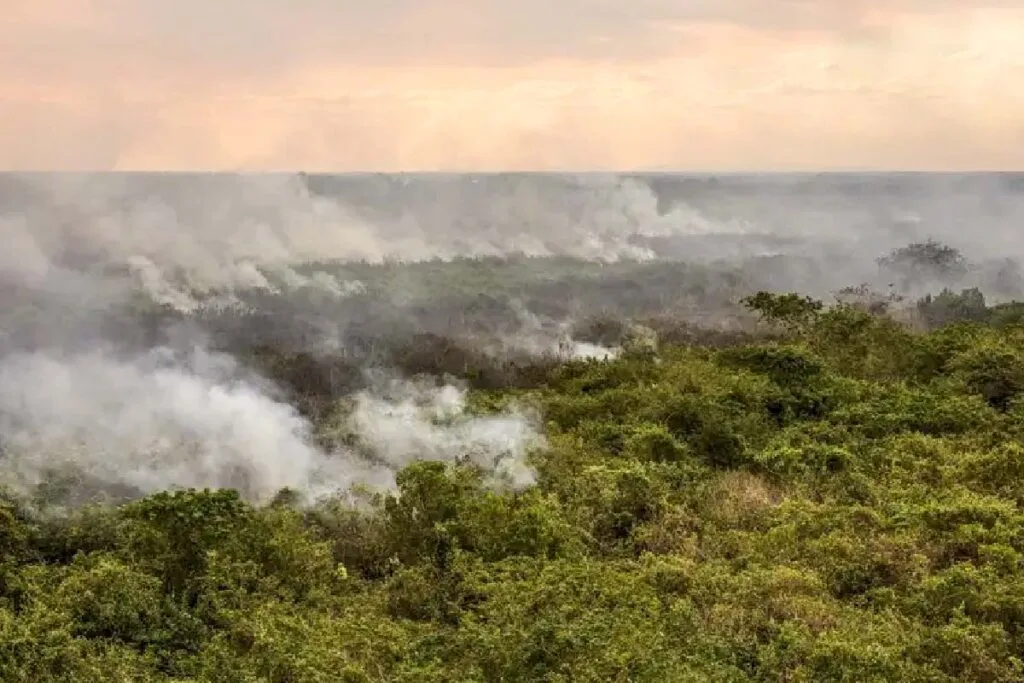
x: 830, y: 489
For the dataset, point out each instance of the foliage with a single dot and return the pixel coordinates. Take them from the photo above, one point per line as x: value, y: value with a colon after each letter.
x: 789, y: 310
x: 843, y: 501
x: 923, y: 261
x: 947, y: 307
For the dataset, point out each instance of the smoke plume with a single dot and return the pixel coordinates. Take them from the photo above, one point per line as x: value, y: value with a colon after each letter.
x: 126, y: 300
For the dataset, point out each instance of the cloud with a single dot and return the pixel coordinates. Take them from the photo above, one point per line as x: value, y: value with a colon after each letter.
x: 456, y: 84
x: 253, y: 36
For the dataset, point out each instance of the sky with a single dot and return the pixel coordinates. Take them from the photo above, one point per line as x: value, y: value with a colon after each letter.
x: 421, y: 85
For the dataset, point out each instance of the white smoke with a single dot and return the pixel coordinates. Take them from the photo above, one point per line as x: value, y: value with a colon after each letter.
x: 162, y: 420
x: 535, y: 335
x: 227, y: 231
x: 75, y: 247
x: 223, y: 232
x: 404, y: 421
x: 182, y: 415
x: 149, y: 423
x: 186, y: 245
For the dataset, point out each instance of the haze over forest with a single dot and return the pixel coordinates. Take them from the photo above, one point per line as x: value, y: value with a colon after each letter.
x: 372, y: 342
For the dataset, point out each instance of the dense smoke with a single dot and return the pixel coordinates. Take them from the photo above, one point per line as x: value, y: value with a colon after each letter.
x: 154, y: 421
x: 149, y: 422
x: 125, y: 301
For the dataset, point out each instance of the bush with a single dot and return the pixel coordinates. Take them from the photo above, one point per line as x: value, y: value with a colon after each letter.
x: 840, y: 501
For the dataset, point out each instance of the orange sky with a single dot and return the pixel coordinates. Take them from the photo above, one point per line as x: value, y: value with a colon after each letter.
x: 491, y: 84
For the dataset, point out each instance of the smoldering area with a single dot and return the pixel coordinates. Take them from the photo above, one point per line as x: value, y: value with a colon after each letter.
x: 315, y: 332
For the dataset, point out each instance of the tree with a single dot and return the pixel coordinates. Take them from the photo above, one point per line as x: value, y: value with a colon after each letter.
x: 920, y: 263
x: 791, y: 311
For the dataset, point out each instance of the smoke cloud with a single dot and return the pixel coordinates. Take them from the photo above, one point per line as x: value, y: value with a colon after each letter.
x: 407, y: 421
x: 149, y: 422
x: 113, y: 292
x: 156, y: 421
x: 84, y: 254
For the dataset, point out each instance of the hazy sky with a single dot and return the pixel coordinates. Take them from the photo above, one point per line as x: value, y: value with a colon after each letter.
x: 511, y: 84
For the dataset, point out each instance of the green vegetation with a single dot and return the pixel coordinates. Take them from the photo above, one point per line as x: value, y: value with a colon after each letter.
x: 835, y: 498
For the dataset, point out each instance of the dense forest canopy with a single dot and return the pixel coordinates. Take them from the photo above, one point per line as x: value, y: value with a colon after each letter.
x: 799, y: 489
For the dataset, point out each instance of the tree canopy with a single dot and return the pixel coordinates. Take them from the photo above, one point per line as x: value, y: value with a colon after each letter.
x: 840, y: 500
